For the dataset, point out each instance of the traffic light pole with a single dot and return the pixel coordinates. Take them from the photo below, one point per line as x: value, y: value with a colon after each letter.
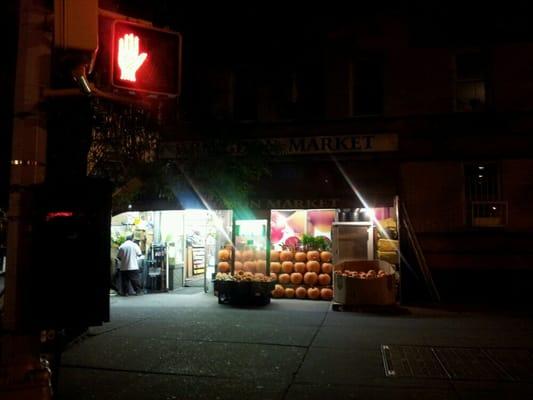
x: 20, y: 357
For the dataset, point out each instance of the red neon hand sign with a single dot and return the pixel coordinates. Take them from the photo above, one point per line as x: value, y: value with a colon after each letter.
x: 129, y: 59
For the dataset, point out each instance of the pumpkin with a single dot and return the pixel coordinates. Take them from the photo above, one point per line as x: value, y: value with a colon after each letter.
x: 310, y: 278
x: 261, y: 265
x: 278, y: 291
x: 223, y: 266
x: 326, y: 293
x: 301, y: 292
x: 274, y: 276
x: 325, y: 256
x: 238, y: 265
x: 224, y: 255
x: 250, y: 266
x: 289, y: 293
x: 284, y: 278
x: 313, y: 293
x: 324, y: 279
x: 313, y: 255
x: 248, y: 255
x: 313, y: 266
x: 300, y: 256
x: 238, y: 255
x: 260, y: 255
x: 296, y: 278
x: 327, y: 268
x: 285, y: 255
x: 275, y: 267
x: 274, y: 255
x: 287, y: 266
x: 300, y: 267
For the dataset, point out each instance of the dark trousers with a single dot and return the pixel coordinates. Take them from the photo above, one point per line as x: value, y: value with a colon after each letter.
x: 132, y: 276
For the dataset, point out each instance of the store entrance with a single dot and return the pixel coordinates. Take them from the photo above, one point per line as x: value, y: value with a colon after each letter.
x: 178, y: 247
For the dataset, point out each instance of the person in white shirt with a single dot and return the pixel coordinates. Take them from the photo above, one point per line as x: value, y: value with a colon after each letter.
x: 128, y: 253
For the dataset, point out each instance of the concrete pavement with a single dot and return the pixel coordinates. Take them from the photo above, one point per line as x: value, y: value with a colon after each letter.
x: 184, y: 345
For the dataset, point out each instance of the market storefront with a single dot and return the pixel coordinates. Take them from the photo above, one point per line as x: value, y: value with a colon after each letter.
x: 334, y: 195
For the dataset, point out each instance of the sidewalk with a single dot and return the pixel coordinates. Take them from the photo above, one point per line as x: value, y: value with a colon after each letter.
x: 184, y: 345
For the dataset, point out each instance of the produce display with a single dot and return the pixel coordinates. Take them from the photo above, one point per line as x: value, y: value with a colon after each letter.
x: 243, y: 276
x: 371, y: 274
x: 302, y: 274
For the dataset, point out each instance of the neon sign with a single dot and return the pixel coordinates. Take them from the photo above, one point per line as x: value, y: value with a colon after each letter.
x: 129, y: 59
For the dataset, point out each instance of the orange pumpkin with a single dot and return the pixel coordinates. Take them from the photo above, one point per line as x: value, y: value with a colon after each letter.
x: 261, y: 265
x: 325, y: 256
x: 248, y: 255
x: 313, y: 255
x: 327, y: 268
x: 300, y: 267
x: 287, y: 267
x: 300, y: 256
x: 284, y: 278
x: 275, y: 267
x: 238, y: 255
x: 238, y: 266
x: 278, y: 291
x: 250, y: 266
x: 285, y: 255
x: 310, y: 278
x: 296, y: 278
x: 274, y: 255
x: 326, y: 293
x: 313, y: 293
x: 313, y: 266
x: 289, y: 293
x: 223, y: 266
x: 301, y: 292
x: 324, y: 279
x: 274, y: 276
x: 224, y: 255
x: 260, y: 255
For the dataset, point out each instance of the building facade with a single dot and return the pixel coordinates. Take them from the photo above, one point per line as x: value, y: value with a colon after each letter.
x: 455, y: 100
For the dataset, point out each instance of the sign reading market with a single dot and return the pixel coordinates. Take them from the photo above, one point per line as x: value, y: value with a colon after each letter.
x: 296, y: 145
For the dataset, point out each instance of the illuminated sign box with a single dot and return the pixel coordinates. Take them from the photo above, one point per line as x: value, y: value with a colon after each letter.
x: 145, y: 59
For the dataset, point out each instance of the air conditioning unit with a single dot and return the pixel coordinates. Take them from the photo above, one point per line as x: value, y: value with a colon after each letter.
x: 489, y: 213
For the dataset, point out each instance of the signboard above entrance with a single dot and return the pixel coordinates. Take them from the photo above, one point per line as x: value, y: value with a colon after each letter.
x: 338, y: 144
x: 383, y: 142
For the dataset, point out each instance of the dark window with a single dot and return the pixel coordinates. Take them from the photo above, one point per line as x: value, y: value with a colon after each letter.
x: 470, y: 83
x: 485, y: 207
x: 367, y: 85
x: 245, y: 94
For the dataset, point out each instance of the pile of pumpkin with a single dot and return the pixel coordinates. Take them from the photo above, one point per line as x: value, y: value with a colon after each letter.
x: 248, y: 260
x: 301, y: 274
x: 371, y: 274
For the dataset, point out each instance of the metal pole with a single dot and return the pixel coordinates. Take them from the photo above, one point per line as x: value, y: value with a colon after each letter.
x: 28, y: 160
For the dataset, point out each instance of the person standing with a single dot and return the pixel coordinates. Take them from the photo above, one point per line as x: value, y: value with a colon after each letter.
x: 128, y: 253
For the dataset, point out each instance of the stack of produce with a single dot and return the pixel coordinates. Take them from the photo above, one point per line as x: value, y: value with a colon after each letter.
x: 242, y: 276
x: 301, y: 274
x: 371, y: 274
x: 387, y: 241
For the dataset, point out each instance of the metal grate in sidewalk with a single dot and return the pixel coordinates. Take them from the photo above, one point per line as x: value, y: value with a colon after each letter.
x: 457, y: 363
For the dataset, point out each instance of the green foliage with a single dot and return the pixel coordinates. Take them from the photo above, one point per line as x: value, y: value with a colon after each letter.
x: 310, y: 242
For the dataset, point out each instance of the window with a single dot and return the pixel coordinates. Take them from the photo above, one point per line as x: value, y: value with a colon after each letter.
x: 367, y: 85
x: 245, y: 94
x: 485, y: 207
x: 470, y: 81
